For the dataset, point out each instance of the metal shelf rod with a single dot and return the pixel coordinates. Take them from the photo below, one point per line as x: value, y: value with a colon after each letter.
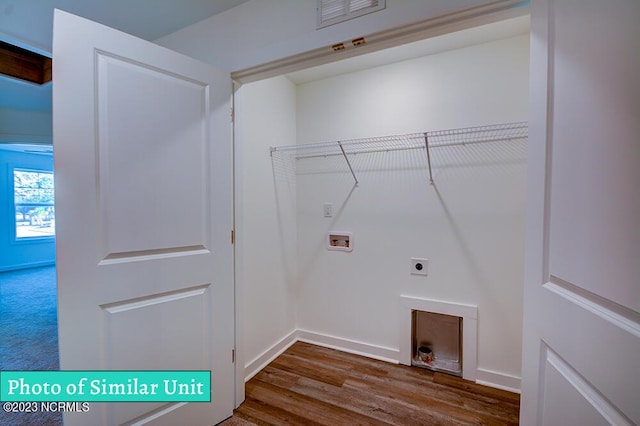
x: 427, y: 141
x: 426, y: 144
x: 367, y: 151
x: 505, y: 139
x: 404, y: 148
x: 491, y: 133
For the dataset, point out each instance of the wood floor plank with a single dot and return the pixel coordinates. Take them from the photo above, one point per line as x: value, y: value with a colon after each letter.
x: 427, y: 404
x: 313, y: 385
x: 263, y: 414
x: 278, y: 377
x: 332, y: 358
x: 466, y: 385
x: 301, y: 405
x: 434, y: 394
x: 371, y: 404
x: 300, y: 366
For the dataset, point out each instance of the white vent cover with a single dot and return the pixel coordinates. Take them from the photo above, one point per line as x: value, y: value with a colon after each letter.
x: 331, y: 12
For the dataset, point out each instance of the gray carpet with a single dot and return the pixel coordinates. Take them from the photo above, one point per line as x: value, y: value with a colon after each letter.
x: 29, y: 331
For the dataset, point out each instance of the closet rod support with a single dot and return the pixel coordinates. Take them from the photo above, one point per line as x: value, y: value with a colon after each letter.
x: 426, y: 144
x: 348, y: 162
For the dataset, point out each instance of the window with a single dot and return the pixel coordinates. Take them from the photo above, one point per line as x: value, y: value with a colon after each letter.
x: 34, y: 207
x: 331, y: 12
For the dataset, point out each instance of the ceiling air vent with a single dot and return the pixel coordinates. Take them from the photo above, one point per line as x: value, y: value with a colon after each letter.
x: 331, y: 12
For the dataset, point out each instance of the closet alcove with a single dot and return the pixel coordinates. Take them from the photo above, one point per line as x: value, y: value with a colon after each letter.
x: 357, y: 140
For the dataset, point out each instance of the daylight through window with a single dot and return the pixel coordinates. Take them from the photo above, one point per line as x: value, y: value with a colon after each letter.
x: 34, y: 204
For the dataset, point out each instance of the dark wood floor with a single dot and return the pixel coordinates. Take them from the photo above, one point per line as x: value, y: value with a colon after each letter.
x: 312, y: 385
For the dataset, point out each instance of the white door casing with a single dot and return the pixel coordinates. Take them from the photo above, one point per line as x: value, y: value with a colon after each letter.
x: 143, y: 160
x: 581, y: 337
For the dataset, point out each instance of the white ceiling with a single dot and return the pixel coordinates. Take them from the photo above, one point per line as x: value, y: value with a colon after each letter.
x: 31, y: 21
x: 151, y: 19
x: 469, y: 37
x: 29, y: 24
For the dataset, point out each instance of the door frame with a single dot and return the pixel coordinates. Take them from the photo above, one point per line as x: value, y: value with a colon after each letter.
x: 537, y: 211
x: 237, y: 260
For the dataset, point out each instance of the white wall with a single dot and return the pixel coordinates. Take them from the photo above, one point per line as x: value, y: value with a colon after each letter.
x: 261, y: 31
x: 22, y: 126
x: 265, y: 215
x: 478, y: 201
x: 470, y: 224
x: 26, y: 253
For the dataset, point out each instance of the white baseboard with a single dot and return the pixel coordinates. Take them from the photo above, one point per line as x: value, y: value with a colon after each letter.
x: 9, y: 268
x: 485, y: 377
x: 498, y: 380
x: 254, y: 367
x: 350, y: 346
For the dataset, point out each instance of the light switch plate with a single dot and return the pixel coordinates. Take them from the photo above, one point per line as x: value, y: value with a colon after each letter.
x: 328, y: 210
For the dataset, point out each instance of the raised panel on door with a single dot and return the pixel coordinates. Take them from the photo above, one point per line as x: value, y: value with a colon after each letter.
x: 161, y: 341
x: 140, y: 138
x: 594, y: 202
x: 566, y: 396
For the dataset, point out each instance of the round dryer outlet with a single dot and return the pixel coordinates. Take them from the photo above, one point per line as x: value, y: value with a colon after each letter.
x: 419, y: 266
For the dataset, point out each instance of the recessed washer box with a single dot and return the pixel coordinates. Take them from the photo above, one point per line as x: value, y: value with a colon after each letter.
x: 340, y: 241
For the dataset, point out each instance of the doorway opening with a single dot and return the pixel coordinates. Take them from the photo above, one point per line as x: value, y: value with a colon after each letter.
x: 28, y: 287
x: 28, y: 293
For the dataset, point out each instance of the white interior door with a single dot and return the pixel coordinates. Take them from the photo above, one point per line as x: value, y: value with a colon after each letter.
x: 581, y: 349
x: 143, y: 162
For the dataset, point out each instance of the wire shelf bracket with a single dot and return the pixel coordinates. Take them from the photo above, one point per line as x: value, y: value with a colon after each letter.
x: 348, y: 162
x: 426, y: 145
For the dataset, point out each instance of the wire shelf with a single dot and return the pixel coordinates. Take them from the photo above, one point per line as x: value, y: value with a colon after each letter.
x: 411, y: 141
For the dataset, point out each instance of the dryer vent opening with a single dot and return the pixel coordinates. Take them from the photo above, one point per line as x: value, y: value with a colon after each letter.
x: 436, y: 342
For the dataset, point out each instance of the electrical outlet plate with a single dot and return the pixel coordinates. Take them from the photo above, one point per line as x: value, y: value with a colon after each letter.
x: 419, y: 266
